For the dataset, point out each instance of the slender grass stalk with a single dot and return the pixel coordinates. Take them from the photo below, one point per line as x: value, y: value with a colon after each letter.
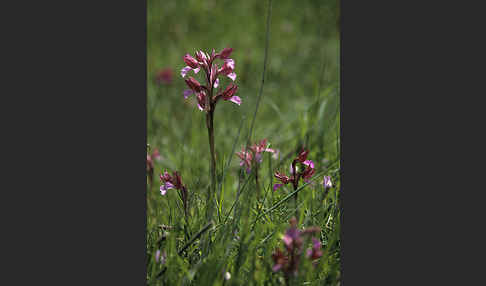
x: 269, y: 14
x: 196, y: 236
x: 287, y: 197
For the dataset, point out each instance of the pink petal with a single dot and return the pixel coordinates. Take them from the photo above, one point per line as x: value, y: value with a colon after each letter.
x: 232, y: 76
x: 196, y: 70
x: 287, y: 240
x: 185, y: 70
x: 276, y: 267
x: 309, y: 163
x: 236, y: 99
x: 187, y: 93
x: 276, y: 186
x: 216, y: 83
x: 308, y: 253
x: 200, y: 107
x: 269, y: 150
x: 230, y: 63
x: 163, y: 191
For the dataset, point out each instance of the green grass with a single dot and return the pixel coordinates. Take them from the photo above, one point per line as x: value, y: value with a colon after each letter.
x: 299, y: 107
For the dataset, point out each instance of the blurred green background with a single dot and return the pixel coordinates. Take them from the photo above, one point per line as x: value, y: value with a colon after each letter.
x: 303, y: 64
x: 300, y: 103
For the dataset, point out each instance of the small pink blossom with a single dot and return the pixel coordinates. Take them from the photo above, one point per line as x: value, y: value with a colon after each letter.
x: 327, y: 182
x: 254, y: 153
x: 315, y: 252
x: 305, y: 171
x: 293, y: 241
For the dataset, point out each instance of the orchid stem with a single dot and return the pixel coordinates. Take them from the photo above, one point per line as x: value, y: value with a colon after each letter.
x: 209, y: 121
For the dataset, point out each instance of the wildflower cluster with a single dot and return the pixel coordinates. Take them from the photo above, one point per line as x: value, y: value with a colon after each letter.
x: 253, y: 154
x: 174, y: 182
x: 207, y: 95
x: 293, y: 241
x: 301, y: 168
x: 206, y: 100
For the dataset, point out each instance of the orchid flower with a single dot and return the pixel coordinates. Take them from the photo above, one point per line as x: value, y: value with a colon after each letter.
x: 254, y: 152
x: 206, y: 62
x: 304, y: 171
x: 174, y: 181
x: 327, y: 182
x: 293, y: 240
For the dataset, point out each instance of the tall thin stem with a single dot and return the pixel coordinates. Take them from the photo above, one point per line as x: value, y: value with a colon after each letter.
x: 209, y: 123
x: 267, y: 37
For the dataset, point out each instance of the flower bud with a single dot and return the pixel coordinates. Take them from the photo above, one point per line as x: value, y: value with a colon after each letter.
x: 193, y: 84
x: 229, y: 91
x: 190, y: 61
x: 225, y: 53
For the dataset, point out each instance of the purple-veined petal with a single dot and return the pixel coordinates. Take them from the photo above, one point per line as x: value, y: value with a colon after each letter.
x: 327, y: 182
x: 230, y: 63
x: 216, y: 83
x: 236, y: 99
x: 242, y: 163
x: 276, y: 186
x: 166, y: 186
x: 187, y: 93
x: 232, y: 76
x: 309, y: 163
x: 185, y: 70
x: 196, y: 70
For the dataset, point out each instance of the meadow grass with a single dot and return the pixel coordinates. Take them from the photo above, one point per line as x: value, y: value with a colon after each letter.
x: 298, y: 106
